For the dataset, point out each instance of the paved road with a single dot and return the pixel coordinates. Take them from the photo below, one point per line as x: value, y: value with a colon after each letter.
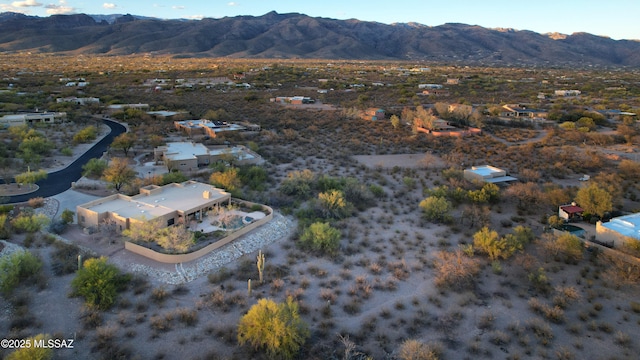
x: 60, y: 181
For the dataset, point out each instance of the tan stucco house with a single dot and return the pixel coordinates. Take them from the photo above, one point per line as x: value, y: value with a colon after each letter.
x: 172, y: 203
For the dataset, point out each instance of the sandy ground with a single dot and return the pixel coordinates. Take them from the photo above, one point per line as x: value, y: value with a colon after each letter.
x: 378, y: 293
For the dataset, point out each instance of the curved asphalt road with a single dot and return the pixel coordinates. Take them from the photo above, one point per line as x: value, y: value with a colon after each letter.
x: 60, y: 181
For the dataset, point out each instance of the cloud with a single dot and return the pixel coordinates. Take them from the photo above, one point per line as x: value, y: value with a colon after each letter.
x: 25, y: 3
x: 59, y: 9
x: 176, y: 7
x: 109, y: 5
x: 233, y: 3
x: 195, y: 17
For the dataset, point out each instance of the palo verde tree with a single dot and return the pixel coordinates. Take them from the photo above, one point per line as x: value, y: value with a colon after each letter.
x: 99, y: 283
x: 124, y: 142
x: 33, y: 352
x: 274, y: 327
x: 436, y: 208
x: 118, y: 173
x: 594, y: 199
x: 321, y: 237
x: 31, y: 177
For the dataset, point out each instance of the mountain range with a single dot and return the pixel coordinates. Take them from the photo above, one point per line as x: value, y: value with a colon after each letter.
x: 298, y: 36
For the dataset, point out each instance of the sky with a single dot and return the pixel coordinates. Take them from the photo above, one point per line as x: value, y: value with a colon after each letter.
x: 616, y: 19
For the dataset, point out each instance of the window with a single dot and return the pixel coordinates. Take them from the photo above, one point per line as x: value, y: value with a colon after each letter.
x: 171, y: 221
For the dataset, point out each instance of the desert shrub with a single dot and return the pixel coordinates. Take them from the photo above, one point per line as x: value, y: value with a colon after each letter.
x: 36, y: 202
x: 416, y: 350
x: 29, y: 223
x: 456, y: 270
x: 57, y: 227
x: 85, y: 135
x: 32, y: 352
x: 5, y: 209
x: 538, y: 278
x: 333, y: 205
x: 298, y: 184
x: 67, y: 216
x: 436, y: 208
x: 254, y: 177
x: 65, y: 258
x: 564, y: 247
x: 99, y: 283
x: 16, y: 269
x: 159, y: 295
x: 274, y: 327
x: 173, y: 177
x: 321, y: 237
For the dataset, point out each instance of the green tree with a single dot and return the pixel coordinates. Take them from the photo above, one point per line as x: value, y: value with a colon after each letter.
x: 94, y: 168
x: 17, y: 268
x: 118, y: 173
x: 274, y: 327
x: 254, y: 177
x: 227, y: 179
x: 594, y: 199
x: 31, y: 177
x: 32, y: 352
x: 321, y: 237
x: 436, y: 208
x: 99, y: 283
x: 124, y: 142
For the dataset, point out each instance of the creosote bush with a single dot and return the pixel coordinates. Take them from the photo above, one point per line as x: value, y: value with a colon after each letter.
x: 16, y: 269
x: 99, y: 283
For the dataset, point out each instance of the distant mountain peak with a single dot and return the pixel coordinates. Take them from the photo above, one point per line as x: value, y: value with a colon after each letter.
x: 294, y: 35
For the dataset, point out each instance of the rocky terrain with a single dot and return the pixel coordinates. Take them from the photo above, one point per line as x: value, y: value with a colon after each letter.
x: 291, y: 36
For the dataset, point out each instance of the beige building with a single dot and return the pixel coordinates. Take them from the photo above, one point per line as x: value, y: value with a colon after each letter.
x: 32, y: 118
x: 189, y: 156
x: 172, y: 204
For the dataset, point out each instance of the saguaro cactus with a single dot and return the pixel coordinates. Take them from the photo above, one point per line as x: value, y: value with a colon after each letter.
x: 260, y: 264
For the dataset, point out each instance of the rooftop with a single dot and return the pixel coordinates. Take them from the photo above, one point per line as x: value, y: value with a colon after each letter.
x: 154, y: 201
x: 184, y: 150
x: 628, y: 225
x: 216, y: 126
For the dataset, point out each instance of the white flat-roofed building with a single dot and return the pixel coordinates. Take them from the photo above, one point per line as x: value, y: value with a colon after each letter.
x: 619, y: 230
x: 206, y: 127
x: 487, y: 173
x: 189, y: 156
x: 32, y: 118
x: 170, y: 204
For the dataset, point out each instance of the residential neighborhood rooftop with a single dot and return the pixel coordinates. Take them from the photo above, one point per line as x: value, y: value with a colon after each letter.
x: 627, y: 225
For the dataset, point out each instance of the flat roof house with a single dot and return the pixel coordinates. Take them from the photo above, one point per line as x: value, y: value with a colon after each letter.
x: 488, y: 174
x: 206, y: 127
x: 570, y: 212
x: 189, y: 156
x: 32, y: 118
x: 183, y: 156
x: 172, y: 204
x: 619, y: 230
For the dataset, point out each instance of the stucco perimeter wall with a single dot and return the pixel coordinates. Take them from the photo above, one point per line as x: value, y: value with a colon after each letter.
x: 181, y: 258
